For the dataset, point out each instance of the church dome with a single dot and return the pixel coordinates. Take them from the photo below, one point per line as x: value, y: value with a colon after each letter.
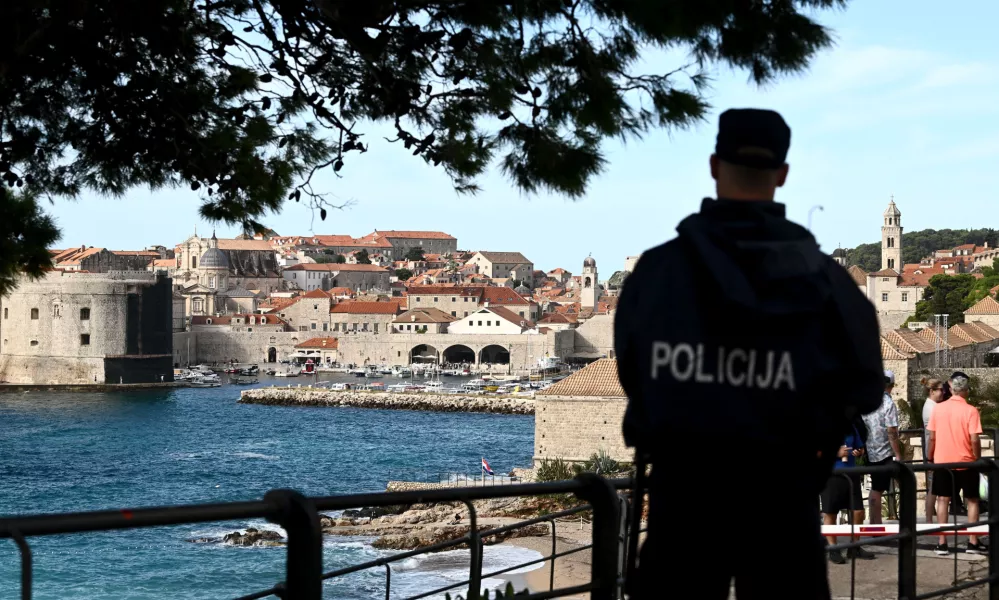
x: 213, y: 258
x: 523, y: 290
x: 589, y: 262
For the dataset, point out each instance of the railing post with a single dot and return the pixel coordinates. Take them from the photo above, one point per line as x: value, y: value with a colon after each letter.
x: 907, y: 528
x: 297, y: 515
x: 635, y: 522
x: 992, y: 476
x: 474, y: 554
x: 25, y: 550
x: 603, y: 498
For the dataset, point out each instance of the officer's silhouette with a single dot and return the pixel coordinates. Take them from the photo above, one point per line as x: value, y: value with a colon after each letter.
x: 744, y: 351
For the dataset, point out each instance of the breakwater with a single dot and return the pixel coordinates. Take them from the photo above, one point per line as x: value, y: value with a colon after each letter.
x: 275, y: 396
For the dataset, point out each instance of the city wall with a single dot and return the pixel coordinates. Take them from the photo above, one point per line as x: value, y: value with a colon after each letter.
x: 573, y: 428
x: 596, y: 335
x: 194, y: 347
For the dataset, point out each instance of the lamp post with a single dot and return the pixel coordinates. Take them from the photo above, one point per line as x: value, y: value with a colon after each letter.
x: 810, y: 211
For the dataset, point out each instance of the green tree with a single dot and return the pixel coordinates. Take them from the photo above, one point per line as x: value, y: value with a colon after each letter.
x: 321, y: 259
x: 918, y: 244
x: 946, y: 294
x: 25, y: 235
x: 339, y: 259
x: 415, y: 253
x: 245, y: 101
x: 403, y: 274
x: 362, y: 257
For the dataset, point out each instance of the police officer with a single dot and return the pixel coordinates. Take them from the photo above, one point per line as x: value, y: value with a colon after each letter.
x: 745, y: 352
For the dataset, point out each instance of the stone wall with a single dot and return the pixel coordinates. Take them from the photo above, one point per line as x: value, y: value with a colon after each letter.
x: 395, y: 348
x: 986, y: 376
x: 81, y: 318
x: 596, y: 335
x: 243, y: 347
x: 889, y: 320
x: 574, y: 428
x: 990, y: 320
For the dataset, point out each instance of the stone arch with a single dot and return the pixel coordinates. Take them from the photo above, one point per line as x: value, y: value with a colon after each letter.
x: 495, y: 354
x: 458, y: 353
x: 272, y: 354
x: 424, y: 354
x: 587, y: 282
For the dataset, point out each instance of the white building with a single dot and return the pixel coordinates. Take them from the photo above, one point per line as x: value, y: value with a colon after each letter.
x: 492, y: 320
x: 502, y: 264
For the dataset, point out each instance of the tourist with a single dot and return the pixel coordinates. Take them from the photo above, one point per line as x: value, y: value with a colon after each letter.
x: 733, y: 343
x: 843, y: 493
x: 934, y: 394
x: 955, y: 427
x: 882, y: 446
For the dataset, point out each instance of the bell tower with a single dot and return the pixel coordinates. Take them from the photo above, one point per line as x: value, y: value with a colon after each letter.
x: 891, y: 238
x: 590, y: 288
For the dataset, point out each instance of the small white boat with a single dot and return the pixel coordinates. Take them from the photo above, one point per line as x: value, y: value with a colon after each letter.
x: 203, y: 381
x: 435, y: 385
x: 384, y: 370
x: 287, y: 373
x: 372, y: 375
x: 340, y: 387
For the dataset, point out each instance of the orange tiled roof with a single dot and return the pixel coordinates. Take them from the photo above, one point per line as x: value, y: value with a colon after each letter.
x: 341, y: 291
x: 952, y: 341
x: 316, y: 293
x: 165, y: 262
x: 597, y: 379
x: 354, y: 307
x: 907, y: 340
x: 413, y: 235
x: 510, y: 316
x: 502, y: 295
x: 987, y: 329
x: 553, y: 318
x: 425, y: 315
x: 328, y: 343
x: 970, y: 333
x: 890, y: 352
x: 985, y: 306
x: 858, y: 275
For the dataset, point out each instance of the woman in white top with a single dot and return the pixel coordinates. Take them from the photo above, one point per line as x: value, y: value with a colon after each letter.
x: 934, y: 394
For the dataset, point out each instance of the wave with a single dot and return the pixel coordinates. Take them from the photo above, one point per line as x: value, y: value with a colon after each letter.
x: 254, y: 455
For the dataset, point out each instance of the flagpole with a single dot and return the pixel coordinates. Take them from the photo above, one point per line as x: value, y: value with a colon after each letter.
x: 482, y: 470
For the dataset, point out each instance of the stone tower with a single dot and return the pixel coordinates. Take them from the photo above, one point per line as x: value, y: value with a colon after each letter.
x: 590, y: 288
x: 891, y: 238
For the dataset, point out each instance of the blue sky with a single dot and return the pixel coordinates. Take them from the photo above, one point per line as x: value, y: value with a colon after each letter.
x: 905, y: 104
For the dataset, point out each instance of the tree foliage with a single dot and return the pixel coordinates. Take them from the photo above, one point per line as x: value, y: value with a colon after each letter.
x: 25, y: 235
x: 244, y: 101
x: 403, y: 274
x: 415, y: 254
x: 918, y: 244
x: 362, y: 257
x: 952, y: 295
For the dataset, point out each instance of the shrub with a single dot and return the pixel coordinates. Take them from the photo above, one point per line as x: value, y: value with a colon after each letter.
x: 553, y: 470
x: 599, y: 463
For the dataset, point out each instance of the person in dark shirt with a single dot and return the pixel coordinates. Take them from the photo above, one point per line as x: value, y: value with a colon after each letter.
x: 745, y: 352
x: 843, y: 492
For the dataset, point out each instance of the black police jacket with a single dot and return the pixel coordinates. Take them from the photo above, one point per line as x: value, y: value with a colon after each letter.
x: 741, y: 339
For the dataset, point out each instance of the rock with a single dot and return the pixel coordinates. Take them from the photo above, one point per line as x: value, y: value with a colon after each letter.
x: 326, y: 521
x: 204, y: 540
x: 253, y: 537
x: 386, y: 400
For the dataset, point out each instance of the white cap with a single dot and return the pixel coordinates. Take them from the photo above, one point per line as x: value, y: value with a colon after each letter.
x: 889, y: 377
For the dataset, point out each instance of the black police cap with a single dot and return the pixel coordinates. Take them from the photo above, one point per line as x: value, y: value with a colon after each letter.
x: 753, y: 137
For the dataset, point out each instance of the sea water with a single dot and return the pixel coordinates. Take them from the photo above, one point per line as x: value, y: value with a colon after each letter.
x: 62, y: 452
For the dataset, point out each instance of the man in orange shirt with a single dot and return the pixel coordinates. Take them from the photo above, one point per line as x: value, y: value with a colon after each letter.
x: 954, y: 430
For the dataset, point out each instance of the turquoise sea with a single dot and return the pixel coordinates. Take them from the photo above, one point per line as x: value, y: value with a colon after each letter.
x: 63, y: 452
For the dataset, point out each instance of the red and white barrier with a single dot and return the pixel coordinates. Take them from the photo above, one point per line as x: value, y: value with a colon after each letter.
x: 891, y: 529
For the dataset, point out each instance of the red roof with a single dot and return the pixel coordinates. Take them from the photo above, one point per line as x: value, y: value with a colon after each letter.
x: 502, y: 295
x: 334, y: 240
x: 329, y: 343
x: 316, y: 293
x: 413, y: 235
x: 366, y: 308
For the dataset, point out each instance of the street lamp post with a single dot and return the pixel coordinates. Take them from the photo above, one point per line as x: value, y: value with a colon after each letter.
x: 812, y: 210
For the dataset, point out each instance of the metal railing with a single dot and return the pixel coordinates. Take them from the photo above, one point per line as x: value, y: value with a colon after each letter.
x: 299, y: 516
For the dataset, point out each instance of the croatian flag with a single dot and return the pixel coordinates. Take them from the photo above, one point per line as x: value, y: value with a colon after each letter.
x: 486, y: 468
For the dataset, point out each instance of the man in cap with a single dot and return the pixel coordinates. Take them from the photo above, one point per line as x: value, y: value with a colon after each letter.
x: 741, y: 343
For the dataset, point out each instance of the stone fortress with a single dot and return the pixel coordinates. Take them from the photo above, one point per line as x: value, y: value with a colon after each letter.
x: 87, y: 328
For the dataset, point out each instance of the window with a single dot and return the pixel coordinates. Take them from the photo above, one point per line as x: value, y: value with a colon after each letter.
x: 194, y: 263
x: 303, y: 328
x: 905, y: 296
x: 891, y: 263
x: 253, y: 320
x: 480, y: 323
x: 326, y: 326
x: 364, y: 327
x: 315, y: 307
x: 281, y: 315
x: 211, y: 282
x: 884, y: 279
x: 56, y: 311
x: 84, y: 314
x: 208, y: 321
x: 34, y: 342
x: 884, y: 297
x: 249, y: 329
x: 435, y: 299
x: 466, y: 299
x: 409, y: 327
x: 34, y: 314
x: 466, y: 313
x: 522, y: 313
x: 489, y: 323
x: 417, y: 298
x: 454, y: 313
x: 313, y: 326
x: 376, y: 327
x: 453, y: 299
x: 263, y: 320
x: 273, y: 339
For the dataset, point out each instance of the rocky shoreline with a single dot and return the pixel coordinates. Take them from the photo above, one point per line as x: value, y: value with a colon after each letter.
x: 409, y: 528
x: 276, y: 396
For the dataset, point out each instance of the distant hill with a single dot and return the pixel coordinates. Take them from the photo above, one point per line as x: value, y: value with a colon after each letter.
x: 919, y: 244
